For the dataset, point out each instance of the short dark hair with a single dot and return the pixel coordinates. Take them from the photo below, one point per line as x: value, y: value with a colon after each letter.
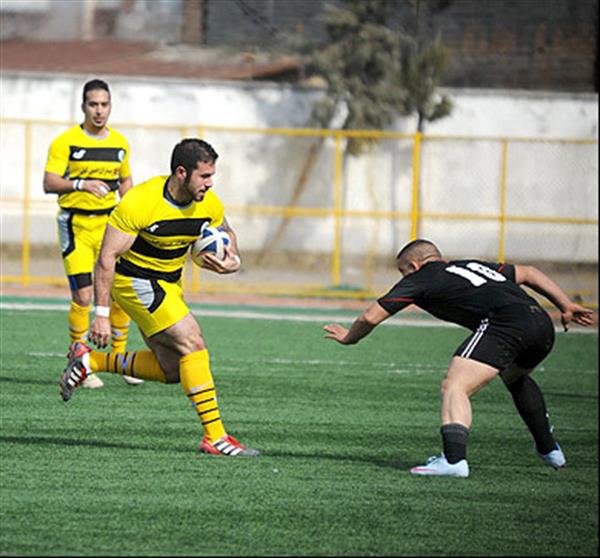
x: 191, y: 151
x: 419, y: 249
x: 93, y: 85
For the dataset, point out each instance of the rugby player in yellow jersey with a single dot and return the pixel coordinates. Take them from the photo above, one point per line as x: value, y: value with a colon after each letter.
x: 141, y: 261
x: 87, y: 166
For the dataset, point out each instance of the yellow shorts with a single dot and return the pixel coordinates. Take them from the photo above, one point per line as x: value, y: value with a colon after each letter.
x: 80, y: 238
x: 153, y: 304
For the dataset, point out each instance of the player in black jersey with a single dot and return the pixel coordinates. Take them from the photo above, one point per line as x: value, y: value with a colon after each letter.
x: 511, y: 335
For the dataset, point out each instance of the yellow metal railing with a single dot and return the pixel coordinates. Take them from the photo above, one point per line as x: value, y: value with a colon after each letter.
x: 414, y: 215
x: 26, y: 205
x: 337, y: 212
x: 337, y: 185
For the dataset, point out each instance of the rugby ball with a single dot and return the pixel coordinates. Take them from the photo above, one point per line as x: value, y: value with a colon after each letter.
x: 212, y: 241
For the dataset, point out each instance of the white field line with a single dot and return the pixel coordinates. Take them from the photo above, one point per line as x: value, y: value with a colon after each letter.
x: 317, y: 362
x: 397, y: 320
x: 243, y: 314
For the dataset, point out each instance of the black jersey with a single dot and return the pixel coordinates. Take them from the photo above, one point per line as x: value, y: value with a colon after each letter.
x: 463, y: 291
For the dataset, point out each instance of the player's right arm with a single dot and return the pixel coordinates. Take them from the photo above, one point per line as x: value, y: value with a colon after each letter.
x: 56, y: 184
x: 56, y: 170
x: 538, y: 281
x: 114, y: 244
x: 361, y: 327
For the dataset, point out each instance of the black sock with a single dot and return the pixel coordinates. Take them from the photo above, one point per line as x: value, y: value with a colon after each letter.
x: 530, y: 403
x: 454, y: 438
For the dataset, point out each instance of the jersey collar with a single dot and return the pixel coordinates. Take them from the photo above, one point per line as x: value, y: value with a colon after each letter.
x: 170, y: 199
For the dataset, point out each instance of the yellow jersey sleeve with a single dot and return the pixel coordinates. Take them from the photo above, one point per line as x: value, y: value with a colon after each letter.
x: 58, y: 156
x: 132, y: 214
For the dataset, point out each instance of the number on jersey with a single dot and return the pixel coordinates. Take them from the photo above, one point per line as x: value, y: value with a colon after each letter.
x: 477, y: 274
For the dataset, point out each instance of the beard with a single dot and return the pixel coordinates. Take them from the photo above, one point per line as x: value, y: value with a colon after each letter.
x: 194, y: 194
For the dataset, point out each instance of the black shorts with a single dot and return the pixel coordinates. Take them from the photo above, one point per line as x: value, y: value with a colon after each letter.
x: 520, y: 334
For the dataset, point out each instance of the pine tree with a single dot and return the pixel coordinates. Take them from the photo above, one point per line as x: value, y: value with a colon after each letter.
x: 375, y: 73
x: 421, y: 69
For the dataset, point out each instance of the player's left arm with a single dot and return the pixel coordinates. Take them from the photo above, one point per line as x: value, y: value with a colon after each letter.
x: 537, y: 280
x: 232, y: 261
x: 361, y: 327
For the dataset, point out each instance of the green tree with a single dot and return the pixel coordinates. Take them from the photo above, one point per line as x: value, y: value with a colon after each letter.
x: 422, y: 65
x: 374, y: 72
x: 359, y: 63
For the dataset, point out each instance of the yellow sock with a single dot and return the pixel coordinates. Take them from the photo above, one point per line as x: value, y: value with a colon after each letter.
x: 79, y: 322
x: 198, y: 385
x: 119, y: 323
x: 139, y: 364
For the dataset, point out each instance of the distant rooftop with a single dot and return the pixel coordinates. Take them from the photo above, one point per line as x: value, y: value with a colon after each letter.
x: 145, y: 59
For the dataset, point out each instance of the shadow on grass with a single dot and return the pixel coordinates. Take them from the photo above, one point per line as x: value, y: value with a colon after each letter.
x: 29, y: 381
x: 392, y: 463
x: 53, y: 441
x: 70, y: 442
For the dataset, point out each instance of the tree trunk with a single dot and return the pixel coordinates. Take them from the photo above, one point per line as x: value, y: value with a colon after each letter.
x: 420, y: 122
x: 309, y: 162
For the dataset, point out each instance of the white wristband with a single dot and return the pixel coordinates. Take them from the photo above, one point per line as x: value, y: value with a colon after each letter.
x: 102, y: 311
x: 78, y: 185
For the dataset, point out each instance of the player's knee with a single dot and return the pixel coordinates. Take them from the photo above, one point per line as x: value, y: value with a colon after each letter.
x: 445, y: 386
x: 82, y: 297
x: 191, y: 344
x: 451, y: 387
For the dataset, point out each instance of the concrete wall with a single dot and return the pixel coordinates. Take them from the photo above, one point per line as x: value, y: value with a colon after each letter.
x: 186, y: 103
x: 458, y: 176
x: 527, y: 44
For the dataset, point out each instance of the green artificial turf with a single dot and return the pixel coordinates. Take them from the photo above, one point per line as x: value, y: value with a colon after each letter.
x: 115, y: 471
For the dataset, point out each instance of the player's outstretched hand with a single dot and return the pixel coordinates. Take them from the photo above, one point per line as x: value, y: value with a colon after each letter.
x: 100, y: 332
x: 230, y: 264
x: 335, y: 332
x: 577, y: 314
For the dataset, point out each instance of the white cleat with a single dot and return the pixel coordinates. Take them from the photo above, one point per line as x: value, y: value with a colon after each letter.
x: 439, y: 466
x: 133, y: 381
x: 556, y: 458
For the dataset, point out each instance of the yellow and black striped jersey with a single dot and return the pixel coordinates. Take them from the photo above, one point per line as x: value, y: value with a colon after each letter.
x: 163, y: 229
x: 75, y: 154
